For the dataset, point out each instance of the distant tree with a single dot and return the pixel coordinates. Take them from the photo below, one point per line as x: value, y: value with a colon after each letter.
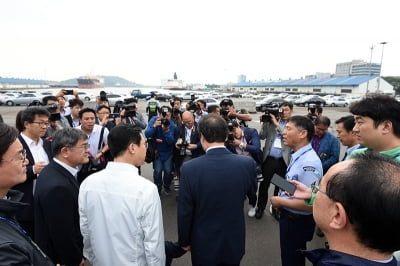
x: 395, y: 82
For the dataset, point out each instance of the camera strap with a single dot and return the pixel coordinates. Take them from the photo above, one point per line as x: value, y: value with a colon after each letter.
x: 100, y: 146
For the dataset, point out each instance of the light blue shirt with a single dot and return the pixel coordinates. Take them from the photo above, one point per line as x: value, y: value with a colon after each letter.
x: 305, y: 167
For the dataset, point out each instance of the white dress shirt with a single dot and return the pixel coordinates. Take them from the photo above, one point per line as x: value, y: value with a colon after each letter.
x: 121, y: 218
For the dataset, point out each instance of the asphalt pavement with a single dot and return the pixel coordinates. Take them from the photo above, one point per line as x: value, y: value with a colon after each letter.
x: 262, y: 236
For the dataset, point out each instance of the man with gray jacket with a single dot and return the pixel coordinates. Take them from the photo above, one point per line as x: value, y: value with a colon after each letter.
x: 276, y: 155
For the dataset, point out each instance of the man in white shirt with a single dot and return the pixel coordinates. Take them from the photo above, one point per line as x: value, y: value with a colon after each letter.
x: 35, y: 121
x: 120, y: 211
x: 88, y: 125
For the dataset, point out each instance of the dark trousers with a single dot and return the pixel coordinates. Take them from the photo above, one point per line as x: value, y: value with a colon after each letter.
x: 295, y: 230
x: 269, y: 167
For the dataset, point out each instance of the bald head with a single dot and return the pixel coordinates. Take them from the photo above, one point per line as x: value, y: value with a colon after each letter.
x: 188, y: 119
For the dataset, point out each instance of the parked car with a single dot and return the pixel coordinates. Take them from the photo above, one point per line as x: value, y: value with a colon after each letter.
x: 113, y: 98
x: 210, y: 101
x: 306, y: 100
x: 235, y: 95
x: 163, y: 97
x: 268, y: 103
x: 336, y: 101
x: 86, y: 96
x: 292, y: 98
x: 23, y: 99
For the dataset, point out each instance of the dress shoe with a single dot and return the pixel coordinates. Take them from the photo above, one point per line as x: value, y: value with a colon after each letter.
x: 259, y: 213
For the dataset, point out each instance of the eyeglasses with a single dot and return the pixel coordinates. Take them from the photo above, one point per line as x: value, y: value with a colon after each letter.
x: 83, y: 146
x: 41, y: 124
x: 315, y: 189
x: 22, y: 157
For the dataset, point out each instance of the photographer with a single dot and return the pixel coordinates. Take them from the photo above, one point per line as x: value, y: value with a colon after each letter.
x: 105, y: 118
x: 276, y: 155
x: 245, y: 141
x: 101, y: 100
x: 228, y: 112
x: 161, y: 129
x: 129, y: 113
x: 61, y: 99
x: 188, y: 144
x: 56, y: 121
x: 176, y: 104
x: 201, y: 110
x: 312, y: 111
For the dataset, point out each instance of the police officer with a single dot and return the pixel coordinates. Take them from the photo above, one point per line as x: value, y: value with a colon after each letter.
x: 296, y: 221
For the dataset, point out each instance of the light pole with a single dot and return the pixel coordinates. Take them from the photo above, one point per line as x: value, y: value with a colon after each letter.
x: 380, y: 70
x: 370, y: 70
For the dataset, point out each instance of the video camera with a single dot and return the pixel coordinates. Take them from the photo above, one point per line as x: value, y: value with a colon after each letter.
x: 52, y: 108
x: 268, y: 111
x: 193, y: 107
x: 129, y: 105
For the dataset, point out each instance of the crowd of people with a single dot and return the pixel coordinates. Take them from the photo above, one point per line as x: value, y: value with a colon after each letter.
x: 54, y: 211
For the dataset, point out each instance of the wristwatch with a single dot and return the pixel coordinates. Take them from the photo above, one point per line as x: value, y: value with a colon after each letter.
x: 241, y: 145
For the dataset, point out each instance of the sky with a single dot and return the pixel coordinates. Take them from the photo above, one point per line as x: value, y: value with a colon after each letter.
x: 202, y: 41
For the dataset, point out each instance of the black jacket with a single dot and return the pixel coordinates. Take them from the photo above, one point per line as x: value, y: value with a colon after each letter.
x: 26, y: 214
x: 16, y: 248
x: 57, y: 230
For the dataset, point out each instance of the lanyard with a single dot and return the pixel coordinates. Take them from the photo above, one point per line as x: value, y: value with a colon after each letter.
x: 15, y: 225
x: 292, y: 162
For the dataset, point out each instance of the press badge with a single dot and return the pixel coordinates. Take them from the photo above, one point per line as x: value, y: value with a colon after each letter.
x: 277, y: 143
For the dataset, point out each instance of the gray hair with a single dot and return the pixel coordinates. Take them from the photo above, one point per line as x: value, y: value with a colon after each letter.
x: 66, y: 137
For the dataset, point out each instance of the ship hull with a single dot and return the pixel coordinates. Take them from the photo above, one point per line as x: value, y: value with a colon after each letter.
x: 90, y: 83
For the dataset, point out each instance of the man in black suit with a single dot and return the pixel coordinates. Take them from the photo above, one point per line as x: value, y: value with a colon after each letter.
x: 212, y: 193
x: 34, y: 122
x: 56, y: 199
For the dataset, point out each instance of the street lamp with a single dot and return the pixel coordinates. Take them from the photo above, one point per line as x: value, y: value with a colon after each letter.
x: 370, y: 68
x: 380, y: 70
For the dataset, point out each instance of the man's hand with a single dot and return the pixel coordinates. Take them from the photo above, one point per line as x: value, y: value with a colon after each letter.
x: 276, y: 202
x: 38, y: 167
x: 187, y: 248
x: 302, y: 191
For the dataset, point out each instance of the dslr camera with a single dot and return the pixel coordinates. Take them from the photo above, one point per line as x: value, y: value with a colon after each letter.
x: 182, y: 144
x: 268, y: 111
x: 231, y: 124
x: 312, y: 111
x: 164, y: 120
x: 224, y: 111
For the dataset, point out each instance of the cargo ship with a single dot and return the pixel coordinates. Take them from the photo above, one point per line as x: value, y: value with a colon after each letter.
x: 173, y: 84
x: 90, y: 82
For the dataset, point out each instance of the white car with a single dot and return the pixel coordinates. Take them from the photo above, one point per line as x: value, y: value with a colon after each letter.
x: 113, y: 98
x: 336, y: 101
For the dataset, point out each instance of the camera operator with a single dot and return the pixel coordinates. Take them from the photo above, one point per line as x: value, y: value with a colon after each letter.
x: 129, y: 113
x: 276, y: 155
x: 245, y: 141
x: 161, y: 129
x: 101, y: 100
x: 56, y: 121
x: 228, y: 112
x: 312, y: 111
x: 188, y: 144
x: 65, y: 110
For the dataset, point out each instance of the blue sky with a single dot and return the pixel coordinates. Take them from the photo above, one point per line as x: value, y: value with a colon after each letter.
x: 203, y: 41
